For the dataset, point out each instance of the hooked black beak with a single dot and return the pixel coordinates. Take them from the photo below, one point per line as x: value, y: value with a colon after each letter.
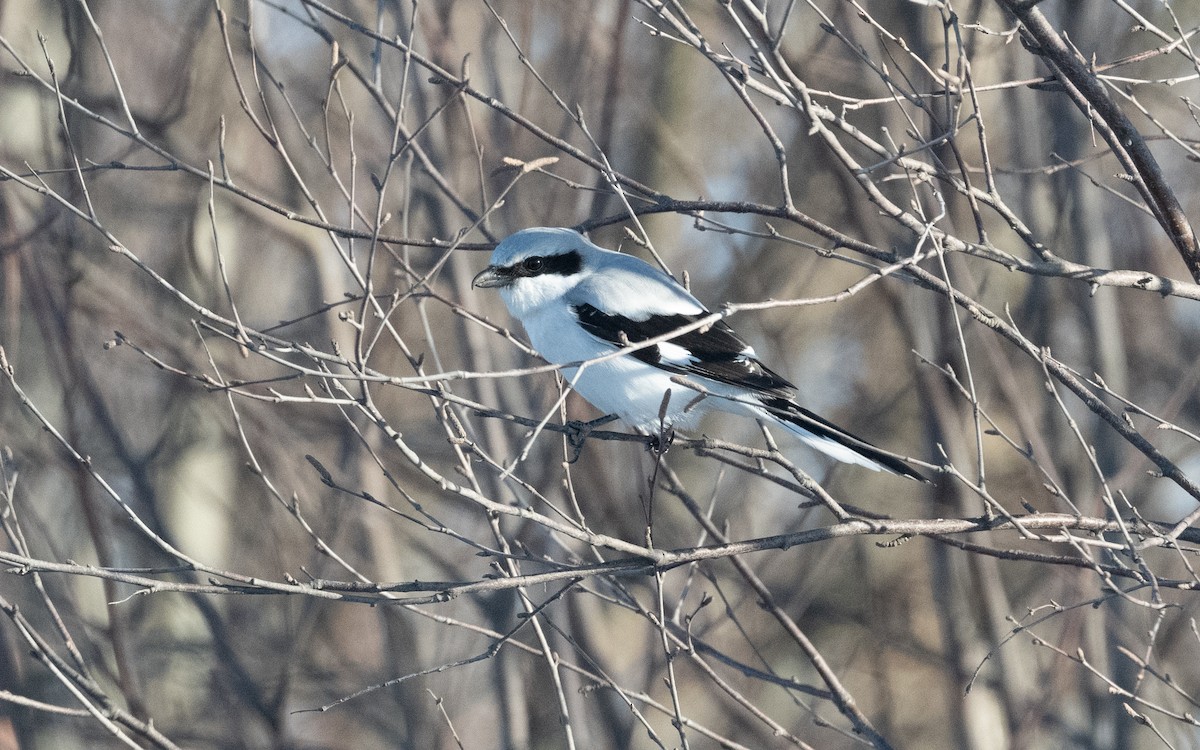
x: 492, y: 276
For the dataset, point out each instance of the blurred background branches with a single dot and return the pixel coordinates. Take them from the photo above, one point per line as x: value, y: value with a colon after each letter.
x: 275, y: 476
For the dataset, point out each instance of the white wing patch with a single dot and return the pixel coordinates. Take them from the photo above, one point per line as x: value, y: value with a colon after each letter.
x: 675, y: 354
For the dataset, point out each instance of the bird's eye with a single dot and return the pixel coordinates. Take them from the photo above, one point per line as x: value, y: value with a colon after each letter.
x: 533, y: 265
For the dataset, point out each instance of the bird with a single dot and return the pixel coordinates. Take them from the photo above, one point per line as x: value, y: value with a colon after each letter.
x: 579, y: 302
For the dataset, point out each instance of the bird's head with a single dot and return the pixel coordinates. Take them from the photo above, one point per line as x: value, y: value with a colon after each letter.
x: 536, y: 266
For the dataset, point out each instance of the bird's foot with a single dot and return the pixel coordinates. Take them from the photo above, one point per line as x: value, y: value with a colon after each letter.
x: 577, y: 433
x: 661, y: 443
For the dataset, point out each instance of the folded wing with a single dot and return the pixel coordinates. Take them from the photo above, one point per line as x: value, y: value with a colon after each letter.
x: 715, y: 352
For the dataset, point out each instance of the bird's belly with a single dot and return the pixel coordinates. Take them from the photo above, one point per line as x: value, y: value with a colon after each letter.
x: 625, y: 386
x: 634, y: 391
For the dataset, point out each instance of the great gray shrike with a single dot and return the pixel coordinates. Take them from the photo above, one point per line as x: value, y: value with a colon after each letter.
x: 579, y: 302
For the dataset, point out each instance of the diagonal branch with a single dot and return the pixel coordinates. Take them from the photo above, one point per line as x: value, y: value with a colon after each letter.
x: 1088, y: 93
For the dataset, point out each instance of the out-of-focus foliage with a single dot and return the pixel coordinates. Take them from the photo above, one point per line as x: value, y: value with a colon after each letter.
x: 267, y: 452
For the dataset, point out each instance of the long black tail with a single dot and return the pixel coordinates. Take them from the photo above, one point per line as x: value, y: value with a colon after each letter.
x: 824, y: 430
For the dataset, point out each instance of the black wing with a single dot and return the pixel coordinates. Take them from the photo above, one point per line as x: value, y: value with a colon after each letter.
x: 714, y: 352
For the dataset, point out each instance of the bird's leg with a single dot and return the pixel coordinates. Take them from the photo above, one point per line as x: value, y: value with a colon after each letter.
x: 577, y: 432
x: 661, y: 442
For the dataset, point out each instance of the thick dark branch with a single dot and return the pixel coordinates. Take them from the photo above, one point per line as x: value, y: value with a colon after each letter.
x: 1088, y: 93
